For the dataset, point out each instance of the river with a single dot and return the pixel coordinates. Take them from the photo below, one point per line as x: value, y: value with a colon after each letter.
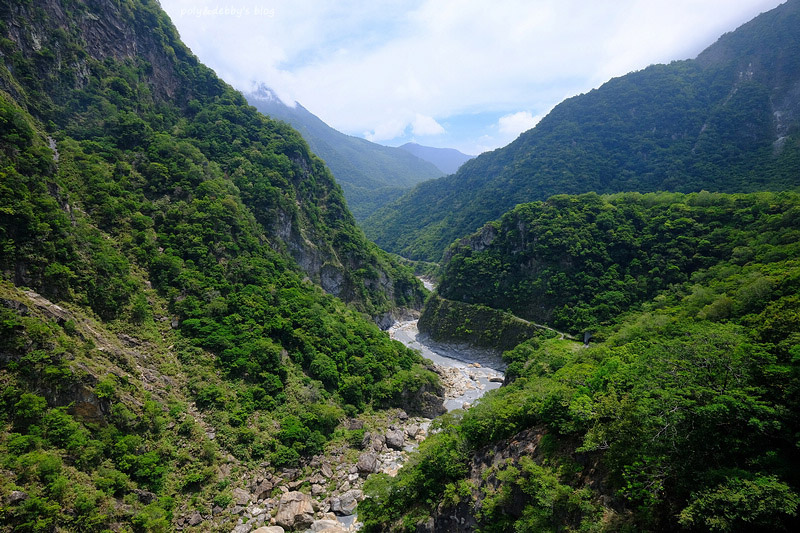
x: 467, y: 373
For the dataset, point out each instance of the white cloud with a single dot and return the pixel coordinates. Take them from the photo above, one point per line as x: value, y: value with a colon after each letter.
x: 374, y: 66
x: 517, y: 123
x: 424, y: 126
x: 386, y: 130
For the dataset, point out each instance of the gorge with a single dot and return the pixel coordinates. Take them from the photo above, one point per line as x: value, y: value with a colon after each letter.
x: 197, y: 335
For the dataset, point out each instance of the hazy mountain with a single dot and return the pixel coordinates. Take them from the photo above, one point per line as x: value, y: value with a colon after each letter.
x: 726, y: 121
x: 371, y: 175
x: 448, y: 160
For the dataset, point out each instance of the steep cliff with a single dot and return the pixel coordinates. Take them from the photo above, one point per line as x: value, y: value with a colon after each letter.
x: 164, y: 348
x: 119, y: 71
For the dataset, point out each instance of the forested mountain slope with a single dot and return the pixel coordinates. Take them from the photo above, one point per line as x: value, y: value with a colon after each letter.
x: 371, y: 175
x: 681, y: 414
x: 726, y: 121
x: 578, y: 262
x: 161, y: 332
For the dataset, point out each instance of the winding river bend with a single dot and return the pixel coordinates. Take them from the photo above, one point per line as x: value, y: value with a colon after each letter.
x: 467, y: 373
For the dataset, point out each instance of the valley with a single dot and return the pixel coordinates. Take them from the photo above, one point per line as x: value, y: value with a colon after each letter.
x: 213, y: 322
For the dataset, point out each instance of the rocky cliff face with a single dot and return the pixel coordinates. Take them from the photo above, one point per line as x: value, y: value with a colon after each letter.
x: 104, y: 29
x: 55, y: 53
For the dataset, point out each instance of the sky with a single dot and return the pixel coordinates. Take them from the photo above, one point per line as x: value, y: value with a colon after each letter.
x: 465, y: 74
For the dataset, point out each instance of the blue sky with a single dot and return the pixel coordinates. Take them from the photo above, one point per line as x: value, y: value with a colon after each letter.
x: 467, y: 74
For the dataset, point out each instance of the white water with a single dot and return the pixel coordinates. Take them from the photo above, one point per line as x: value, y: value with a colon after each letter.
x: 473, y: 368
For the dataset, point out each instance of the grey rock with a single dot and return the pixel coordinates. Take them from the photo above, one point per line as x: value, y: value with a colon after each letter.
x: 269, y: 529
x: 395, y: 439
x: 295, y: 510
x: 346, y: 503
x: 241, y: 496
x: 255, y: 511
x: 326, y: 470
x: 354, y: 424
x: 328, y: 526
x: 262, y: 490
x: 367, y: 462
x: 195, y: 519
x: 378, y: 441
x: 17, y: 496
x: 146, y: 497
x: 242, y: 528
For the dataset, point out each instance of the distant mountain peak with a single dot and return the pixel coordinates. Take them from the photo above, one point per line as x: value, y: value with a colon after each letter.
x: 371, y: 175
x: 263, y: 93
x: 448, y: 160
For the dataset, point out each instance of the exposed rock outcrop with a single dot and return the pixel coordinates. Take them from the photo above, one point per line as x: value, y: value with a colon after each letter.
x: 295, y: 510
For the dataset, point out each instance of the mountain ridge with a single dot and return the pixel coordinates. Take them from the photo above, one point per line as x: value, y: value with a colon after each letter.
x: 697, y: 124
x: 448, y: 160
x: 370, y: 174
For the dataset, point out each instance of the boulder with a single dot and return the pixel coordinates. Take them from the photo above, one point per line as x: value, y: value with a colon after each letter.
x: 196, y: 519
x: 354, y: 424
x: 346, y: 503
x: 262, y: 490
x: 295, y: 510
x: 269, y: 529
x: 328, y: 526
x: 395, y: 439
x: 367, y: 462
x: 17, y: 496
x: 241, y: 497
x: 378, y: 442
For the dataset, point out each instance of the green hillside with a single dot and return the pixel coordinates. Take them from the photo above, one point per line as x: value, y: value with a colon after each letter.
x: 163, y: 332
x: 728, y: 121
x: 578, y: 262
x: 679, y: 415
x: 371, y: 175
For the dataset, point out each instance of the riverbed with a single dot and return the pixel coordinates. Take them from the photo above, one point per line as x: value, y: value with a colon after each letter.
x: 467, y: 373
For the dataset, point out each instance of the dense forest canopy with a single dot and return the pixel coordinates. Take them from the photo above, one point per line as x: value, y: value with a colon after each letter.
x: 680, y: 413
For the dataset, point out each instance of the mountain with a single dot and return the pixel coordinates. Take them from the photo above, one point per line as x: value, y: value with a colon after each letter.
x: 726, y: 121
x: 678, y: 414
x: 173, y: 279
x: 448, y: 160
x: 371, y: 175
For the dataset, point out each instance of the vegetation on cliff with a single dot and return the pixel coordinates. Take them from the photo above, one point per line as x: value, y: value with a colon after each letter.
x: 475, y: 324
x: 726, y: 121
x: 578, y: 262
x: 158, y: 313
x: 682, y: 417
